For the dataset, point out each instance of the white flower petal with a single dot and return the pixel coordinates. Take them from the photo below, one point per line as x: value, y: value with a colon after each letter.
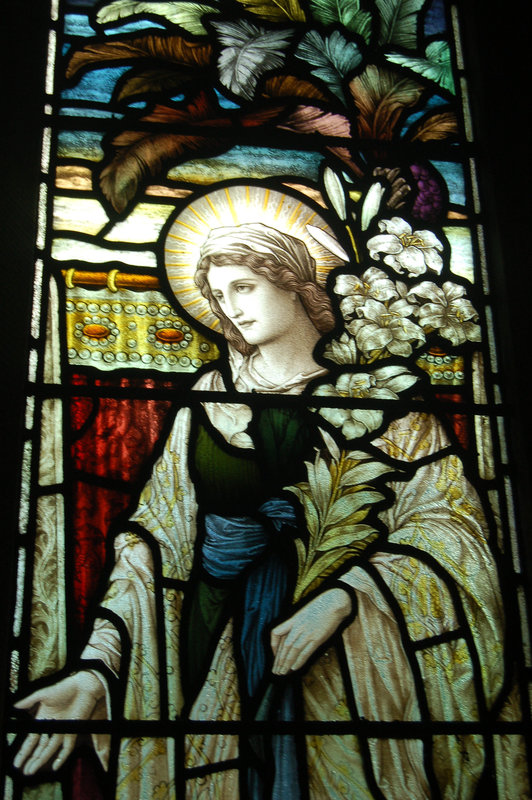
x: 433, y: 260
x: 394, y: 262
x: 336, y: 416
x: 384, y: 243
x: 413, y: 260
x: 352, y: 429
x: 429, y: 239
x: 346, y: 284
x: 395, y: 225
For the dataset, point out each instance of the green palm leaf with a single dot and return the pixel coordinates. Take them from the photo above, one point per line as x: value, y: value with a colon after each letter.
x: 186, y: 14
x: 399, y: 22
x: 275, y: 10
x: 436, y: 66
x: 345, y: 12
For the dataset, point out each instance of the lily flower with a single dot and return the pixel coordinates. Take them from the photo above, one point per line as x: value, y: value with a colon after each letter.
x: 386, y: 326
x: 342, y: 350
x: 374, y: 283
x: 404, y: 249
x: 381, y: 384
x: 448, y: 312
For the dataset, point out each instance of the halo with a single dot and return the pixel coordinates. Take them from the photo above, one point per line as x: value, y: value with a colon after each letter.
x: 229, y: 206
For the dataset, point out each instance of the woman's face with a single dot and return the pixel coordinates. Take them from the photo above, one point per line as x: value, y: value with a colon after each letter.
x: 261, y: 311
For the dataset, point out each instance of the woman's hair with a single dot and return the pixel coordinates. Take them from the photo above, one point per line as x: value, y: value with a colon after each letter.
x: 283, y: 259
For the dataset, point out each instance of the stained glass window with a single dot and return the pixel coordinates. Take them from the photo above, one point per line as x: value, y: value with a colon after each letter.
x: 265, y: 542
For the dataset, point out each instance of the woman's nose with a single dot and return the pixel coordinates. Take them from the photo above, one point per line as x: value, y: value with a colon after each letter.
x: 233, y: 308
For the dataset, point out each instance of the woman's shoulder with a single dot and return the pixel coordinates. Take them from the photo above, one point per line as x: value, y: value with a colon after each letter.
x: 413, y: 436
x: 211, y: 380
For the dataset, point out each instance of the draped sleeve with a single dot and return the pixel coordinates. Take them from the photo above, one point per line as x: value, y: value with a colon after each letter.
x: 428, y: 637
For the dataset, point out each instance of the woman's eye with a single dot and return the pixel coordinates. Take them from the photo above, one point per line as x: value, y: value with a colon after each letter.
x: 243, y: 287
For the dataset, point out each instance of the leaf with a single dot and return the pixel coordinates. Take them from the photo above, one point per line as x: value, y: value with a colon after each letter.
x: 311, y: 513
x: 158, y: 47
x: 345, y: 12
x: 363, y: 473
x: 155, y: 81
x: 437, y: 69
x: 301, y: 555
x: 320, y: 482
x: 330, y: 444
x: 347, y: 507
x: 399, y: 22
x: 249, y: 52
x: 355, y: 534
x: 187, y: 15
x: 291, y: 86
x: 310, y: 119
x: 381, y: 97
x: 335, y: 191
x: 143, y: 153
x: 324, y: 566
x: 275, y: 10
x: 345, y: 155
x: 327, y: 241
x: 332, y: 58
x: 358, y: 455
x: 436, y: 127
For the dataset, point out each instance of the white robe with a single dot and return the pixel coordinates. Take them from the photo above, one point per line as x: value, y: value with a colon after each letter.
x: 436, y: 515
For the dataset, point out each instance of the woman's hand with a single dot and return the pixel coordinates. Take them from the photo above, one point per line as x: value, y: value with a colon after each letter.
x: 295, y: 640
x: 72, y: 698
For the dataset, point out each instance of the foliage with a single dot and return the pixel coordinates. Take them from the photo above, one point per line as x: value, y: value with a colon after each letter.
x: 249, y: 51
x: 186, y: 15
x: 436, y: 66
x: 358, y: 71
x: 275, y: 10
x: 344, y: 12
x: 399, y: 21
x: 337, y: 500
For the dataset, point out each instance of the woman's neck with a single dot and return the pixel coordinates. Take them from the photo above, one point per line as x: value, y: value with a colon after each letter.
x: 290, y: 355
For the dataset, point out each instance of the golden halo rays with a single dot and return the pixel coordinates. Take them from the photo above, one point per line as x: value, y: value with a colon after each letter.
x: 227, y: 207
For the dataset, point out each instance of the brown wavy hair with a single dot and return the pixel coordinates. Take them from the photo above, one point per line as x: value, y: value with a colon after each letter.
x: 315, y: 300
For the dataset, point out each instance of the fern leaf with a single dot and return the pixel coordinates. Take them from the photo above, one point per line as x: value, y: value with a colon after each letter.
x: 186, y: 14
x: 155, y: 81
x: 332, y: 58
x: 399, y: 22
x: 249, y: 51
x: 436, y: 127
x: 290, y: 86
x: 309, y: 119
x: 344, y: 12
x: 435, y: 67
x: 275, y: 10
x: 158, y: 47
x: 144, y: 153
x: 381, y: 98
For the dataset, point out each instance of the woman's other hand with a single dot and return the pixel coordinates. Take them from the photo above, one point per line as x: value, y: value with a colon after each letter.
x: 72, y: 698
x: 295, y: 640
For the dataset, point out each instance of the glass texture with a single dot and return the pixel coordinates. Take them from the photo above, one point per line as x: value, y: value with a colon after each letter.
x: 265, y: 471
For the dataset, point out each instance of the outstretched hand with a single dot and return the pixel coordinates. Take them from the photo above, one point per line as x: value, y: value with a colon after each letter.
x: 73, y: 698
x: 297, y: 639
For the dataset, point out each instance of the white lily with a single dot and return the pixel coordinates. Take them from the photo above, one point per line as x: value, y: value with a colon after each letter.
x: 374, y: 283
x: 386, y: 326
x: 381, y: 384
x: 448, y: 312
x: 404, y: 249
x: 342, y: 350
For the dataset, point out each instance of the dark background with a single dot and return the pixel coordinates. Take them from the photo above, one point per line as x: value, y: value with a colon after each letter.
x: 497, y: 48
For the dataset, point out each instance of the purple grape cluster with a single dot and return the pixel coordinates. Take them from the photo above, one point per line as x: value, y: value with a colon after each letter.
x: 428, y: 205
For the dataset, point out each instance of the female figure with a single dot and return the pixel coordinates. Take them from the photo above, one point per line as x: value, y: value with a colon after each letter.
x: 412, y: 633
